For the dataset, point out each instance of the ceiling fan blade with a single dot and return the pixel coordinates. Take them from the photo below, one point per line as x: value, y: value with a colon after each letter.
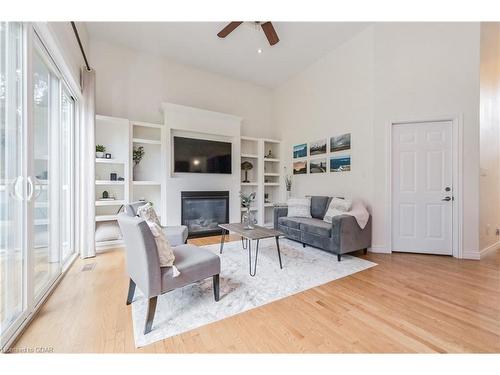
x: 271, y: 35
x: 229, y: 29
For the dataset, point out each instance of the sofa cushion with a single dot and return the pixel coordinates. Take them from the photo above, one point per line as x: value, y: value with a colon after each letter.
x: 319, y: 205
x: 317, y: 227
x: 292, y: 222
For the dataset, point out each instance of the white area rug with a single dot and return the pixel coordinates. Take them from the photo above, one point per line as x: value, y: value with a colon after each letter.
x: 194, y: 306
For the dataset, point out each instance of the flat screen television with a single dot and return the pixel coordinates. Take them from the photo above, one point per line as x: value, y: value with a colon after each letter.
x: 201, y: 156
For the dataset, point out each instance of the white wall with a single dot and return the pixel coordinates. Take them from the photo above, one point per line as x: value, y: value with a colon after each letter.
x: 389, y: 72
x: 489, y: 218
x: 133, y: 85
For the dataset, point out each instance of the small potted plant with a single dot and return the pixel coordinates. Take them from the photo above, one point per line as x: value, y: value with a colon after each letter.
x: 99, y: 151
x: 137, y: 155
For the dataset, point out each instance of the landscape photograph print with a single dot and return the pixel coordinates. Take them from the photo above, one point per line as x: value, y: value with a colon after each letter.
x: 318, y: 147
x: 340, y: 163
x: 340, y: 142
x: 317, y: 165
x: 300, y: 167
x: 300, y: 151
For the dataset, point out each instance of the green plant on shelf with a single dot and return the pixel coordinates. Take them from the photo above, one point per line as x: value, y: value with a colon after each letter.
x: 100, y: 148
x: 138, y: 154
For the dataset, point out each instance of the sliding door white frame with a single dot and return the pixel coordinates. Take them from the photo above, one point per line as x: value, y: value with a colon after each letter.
x: 38, y: 36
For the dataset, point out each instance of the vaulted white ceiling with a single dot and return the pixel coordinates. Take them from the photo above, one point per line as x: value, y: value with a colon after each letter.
x: 197, y: 44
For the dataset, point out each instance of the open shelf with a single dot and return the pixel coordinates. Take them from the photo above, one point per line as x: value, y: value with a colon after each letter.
x: 146, y: 141
x: 108, y: 182
x: 108, y: 161
x: 105, y: 217
x: 146, y: 183
x: 250, y: 156
x: 113, y: 202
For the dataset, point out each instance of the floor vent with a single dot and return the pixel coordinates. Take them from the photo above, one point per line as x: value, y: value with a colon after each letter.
x: 88, y: 267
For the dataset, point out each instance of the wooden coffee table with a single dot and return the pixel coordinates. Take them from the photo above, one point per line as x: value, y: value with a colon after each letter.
x: 257, y: 233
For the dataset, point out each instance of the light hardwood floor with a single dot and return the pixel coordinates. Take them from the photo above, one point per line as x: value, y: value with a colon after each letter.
x: 408, y: 303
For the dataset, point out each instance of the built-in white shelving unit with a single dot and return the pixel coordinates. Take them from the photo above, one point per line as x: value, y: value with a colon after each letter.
x: 148, y: 177
x: 142, y: 181
x: 112, y: 133
x: 264, y: 178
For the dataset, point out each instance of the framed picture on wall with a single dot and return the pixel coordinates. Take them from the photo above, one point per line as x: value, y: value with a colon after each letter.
x: 300, y: 151
x: 300, y: 167
x: 318, y: 165
x: 317, y: 148
x: 340, y: 143
x: 340, y: 163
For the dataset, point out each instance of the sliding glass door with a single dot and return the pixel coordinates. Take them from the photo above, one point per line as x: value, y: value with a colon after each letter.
x: 37, y: 120
x: 12, y: 177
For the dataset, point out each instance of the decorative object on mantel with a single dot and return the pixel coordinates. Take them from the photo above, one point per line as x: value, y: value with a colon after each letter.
x: 99, y: 151
x: 288, y: 184
x: 246, y: 166
x: 247, y: 217
x: 107, y: 156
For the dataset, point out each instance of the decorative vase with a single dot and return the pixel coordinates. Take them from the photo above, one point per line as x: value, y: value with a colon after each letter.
x: 99, y: 155
x: 248, y: 220
x: 288, y: 194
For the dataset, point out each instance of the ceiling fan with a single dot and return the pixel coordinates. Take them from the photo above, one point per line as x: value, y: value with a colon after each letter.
x: 267, y: 27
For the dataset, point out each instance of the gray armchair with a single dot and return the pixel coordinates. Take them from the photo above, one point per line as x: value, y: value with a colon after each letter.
x: 143, y: 265
x: 176, y: 235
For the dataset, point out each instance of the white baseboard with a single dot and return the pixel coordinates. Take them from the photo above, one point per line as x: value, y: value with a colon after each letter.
x: 472, y: 255
x: 487, y: 249
x: 379, y: 250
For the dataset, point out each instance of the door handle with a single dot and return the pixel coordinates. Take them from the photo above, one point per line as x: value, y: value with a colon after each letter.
x: 16, y: 184
x: 31, y: 188
x: 447, y: 199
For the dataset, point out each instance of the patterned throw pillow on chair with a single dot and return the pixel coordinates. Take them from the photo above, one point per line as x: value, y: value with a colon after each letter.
x: 165, y: 253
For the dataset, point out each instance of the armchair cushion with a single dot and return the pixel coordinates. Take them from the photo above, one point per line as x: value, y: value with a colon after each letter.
x: 193, y: 264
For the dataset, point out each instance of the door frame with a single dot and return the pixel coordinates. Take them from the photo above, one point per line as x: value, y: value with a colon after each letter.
x: 457, y: 171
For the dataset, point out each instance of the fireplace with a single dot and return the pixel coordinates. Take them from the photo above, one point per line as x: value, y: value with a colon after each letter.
x: 203, y: 211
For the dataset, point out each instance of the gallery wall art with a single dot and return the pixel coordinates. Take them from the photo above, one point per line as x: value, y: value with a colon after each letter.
x: 300, y: 151
x: 317, y: 148
x: 332, y: 161
x: 340, y: 163
x: 317, y: 165
x: 300, y: 167
x: 340, y: 143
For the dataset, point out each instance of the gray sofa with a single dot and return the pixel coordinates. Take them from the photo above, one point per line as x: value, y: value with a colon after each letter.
x: 342, y: 236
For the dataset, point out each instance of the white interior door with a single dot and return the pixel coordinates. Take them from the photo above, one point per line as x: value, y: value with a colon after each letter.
x: 422, y: 191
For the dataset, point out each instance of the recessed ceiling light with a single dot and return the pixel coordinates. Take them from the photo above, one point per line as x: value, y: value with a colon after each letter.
x: 259, y: 50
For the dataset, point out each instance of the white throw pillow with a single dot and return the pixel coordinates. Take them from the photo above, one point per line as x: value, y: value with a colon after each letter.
x: 299, y: 207
x: 337, y: 207
x: 165, y: 253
